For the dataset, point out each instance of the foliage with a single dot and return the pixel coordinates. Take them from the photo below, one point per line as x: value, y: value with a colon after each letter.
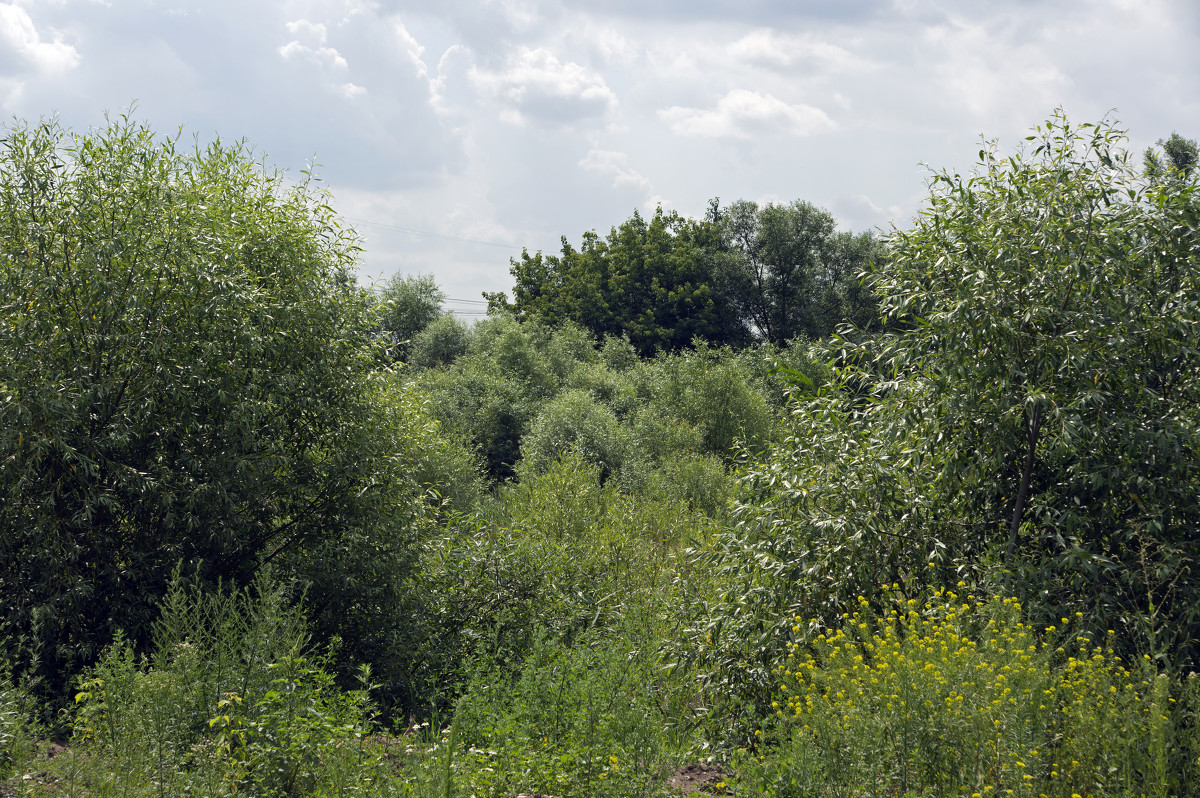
x: 958, y: 696
x: 1031, y: 431
x: 1177, y: 159
x: 526, y: 390
x: 18, y: 727
x: 574, y: 421
x: 561, y: 553
x: 1053, y: 308
x: 185, y: 377
x: 581, y: 720
x: 231, y: 699
x: 409, y: 304
x: 792, y: 274
x: 657, y: 281
x: 711, y: 391
x: 442, y: 342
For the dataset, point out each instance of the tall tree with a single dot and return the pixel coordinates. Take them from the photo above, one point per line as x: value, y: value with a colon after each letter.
x: 654, y: 280
x: 795, y: 275
x: 1178, y: 158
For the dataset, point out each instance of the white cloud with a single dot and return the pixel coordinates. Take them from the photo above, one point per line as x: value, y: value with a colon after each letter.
x: 411, y: 48
x: 325, y: 56
x: 615, y: 165
x: 311, y: 30
x: 351, y: 90
x: 991, y: 72
x: 316, y: 34
x: 767, y: 47
x: 19, y: 35
x: 742, y: 114
x: 536, y: 84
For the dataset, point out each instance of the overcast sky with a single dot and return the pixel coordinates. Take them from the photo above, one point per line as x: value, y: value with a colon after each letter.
x: 454, y: 132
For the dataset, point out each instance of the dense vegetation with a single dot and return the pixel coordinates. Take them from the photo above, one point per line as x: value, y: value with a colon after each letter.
x: 817, y: 513
x: 741, y: 274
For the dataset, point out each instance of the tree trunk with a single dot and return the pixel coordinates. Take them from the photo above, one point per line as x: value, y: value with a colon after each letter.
x: 1033, y: 426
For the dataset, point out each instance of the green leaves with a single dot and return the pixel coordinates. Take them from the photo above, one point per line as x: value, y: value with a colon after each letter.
x: 186, y: 370
x: 658, y: 281
x: 1030, y: 427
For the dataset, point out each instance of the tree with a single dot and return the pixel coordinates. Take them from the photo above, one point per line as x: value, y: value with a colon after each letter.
x: 794, y: 274
x: 1181, y: 155
x: 656, y: 281
x: 186, y: 375
x: 1029, y: 427
x: 410, y: 304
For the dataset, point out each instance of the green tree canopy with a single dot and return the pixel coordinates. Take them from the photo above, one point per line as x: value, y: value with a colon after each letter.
x: 410, y: 304
x: 794, y: 274
x: 1177, y: 158
x: 186, y: 375
x: 657, y: 281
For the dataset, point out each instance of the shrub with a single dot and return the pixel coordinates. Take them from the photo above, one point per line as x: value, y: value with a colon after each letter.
x: 186, y: 375
x: 232, y: 697
x: 410, y: 304
x: 574, y: 421
x: 444, y: 341
x: 18, y: 727
x: 492, y: 409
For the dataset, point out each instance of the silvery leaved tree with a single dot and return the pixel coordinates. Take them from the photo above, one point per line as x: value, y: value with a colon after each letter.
x: 1030, y: 426
x: 1052, y: 300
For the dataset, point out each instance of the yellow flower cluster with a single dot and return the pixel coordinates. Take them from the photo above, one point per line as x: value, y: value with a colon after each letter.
x: 963, y: 695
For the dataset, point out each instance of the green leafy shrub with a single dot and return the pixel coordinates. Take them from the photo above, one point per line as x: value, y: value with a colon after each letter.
x: 444, y: 341
x: 712, y: 392
x: 574, y: 421
x: 558, y: 554
x: 579, y: 720
x: 409, y: 304
x: 187, y: 375
x: 518, y: 351
x: 1050, y: 314
x: 477, y: 400
x: 618, y: 353
x: 18, y: 727
x: 231, y: 698
x: 570, y: 347
x: 701, y: 482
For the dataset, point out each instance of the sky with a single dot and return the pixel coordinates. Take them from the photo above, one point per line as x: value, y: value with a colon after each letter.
x: 452, y: 134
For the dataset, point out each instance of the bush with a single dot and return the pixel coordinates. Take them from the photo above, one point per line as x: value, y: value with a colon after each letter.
x: 409, y: 305
x: 444, y: 341
x: 570, y: 347
x: 231, y: 697
x: 711, y: 391
x: 18, y: 727
x: 606, y: 386
x: 574, y: 421
x: 187, y: 376
x: 579, y: 720
x: 478, y: 401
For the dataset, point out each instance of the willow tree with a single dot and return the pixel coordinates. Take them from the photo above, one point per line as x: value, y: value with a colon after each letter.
x: 1031, y: 426
x: 185, y: 377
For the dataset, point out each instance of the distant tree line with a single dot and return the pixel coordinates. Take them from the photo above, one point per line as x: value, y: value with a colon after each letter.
x: 743, y: 273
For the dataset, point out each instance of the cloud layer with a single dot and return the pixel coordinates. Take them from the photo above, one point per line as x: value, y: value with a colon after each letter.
x: 508, y: 123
